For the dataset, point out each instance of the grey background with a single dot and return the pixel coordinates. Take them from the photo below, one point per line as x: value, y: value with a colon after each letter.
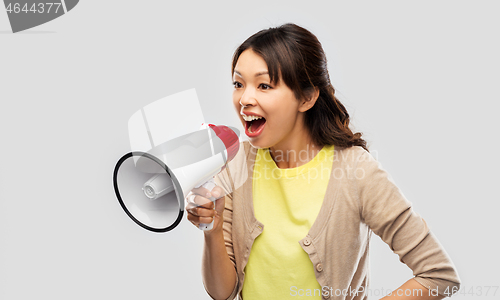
x: 419, y: 79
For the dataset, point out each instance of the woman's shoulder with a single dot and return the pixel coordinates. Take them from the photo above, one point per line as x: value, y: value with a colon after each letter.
x: 244, y: 152
x: 352, y: 155
x: 236, y: 171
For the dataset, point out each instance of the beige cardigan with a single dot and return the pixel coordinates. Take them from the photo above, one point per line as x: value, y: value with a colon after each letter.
x: 360, y: 198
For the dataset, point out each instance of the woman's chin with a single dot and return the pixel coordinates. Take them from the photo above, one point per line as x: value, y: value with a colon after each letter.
x: 254, y: 144
x: 257, y: 143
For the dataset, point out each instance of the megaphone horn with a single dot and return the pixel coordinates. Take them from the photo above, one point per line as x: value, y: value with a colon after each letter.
x: 151, y: 186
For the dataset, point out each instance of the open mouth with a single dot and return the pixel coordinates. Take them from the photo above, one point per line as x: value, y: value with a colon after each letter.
x: 254, y: 125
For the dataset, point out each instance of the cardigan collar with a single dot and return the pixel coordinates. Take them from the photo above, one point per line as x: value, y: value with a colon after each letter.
x: 325, y: 211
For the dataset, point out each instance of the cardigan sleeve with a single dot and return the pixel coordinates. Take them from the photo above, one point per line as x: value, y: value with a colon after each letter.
x: 390, y: 215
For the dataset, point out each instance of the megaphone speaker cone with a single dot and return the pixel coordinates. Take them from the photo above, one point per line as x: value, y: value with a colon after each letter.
x: 148, y: 192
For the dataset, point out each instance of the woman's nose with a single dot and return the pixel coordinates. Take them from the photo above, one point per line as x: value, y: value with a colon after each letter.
x: 248, y: 98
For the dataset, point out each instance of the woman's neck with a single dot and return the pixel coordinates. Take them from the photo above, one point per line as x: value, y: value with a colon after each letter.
x: 293, y: 153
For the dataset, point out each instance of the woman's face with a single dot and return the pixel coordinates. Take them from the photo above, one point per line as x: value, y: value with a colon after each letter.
x: 269, y: 112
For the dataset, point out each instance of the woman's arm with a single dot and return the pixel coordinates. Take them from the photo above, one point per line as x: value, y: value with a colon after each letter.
x: 218, y: 267
x: 390, y: 215
x: 219, y: 275
x: 412, y: 290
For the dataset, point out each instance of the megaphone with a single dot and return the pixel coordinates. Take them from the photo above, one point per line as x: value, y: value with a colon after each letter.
x: 151, y: 185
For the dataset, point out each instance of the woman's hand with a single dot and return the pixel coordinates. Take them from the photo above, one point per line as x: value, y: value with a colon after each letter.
x: 200, y: 209
x: 218, y: 271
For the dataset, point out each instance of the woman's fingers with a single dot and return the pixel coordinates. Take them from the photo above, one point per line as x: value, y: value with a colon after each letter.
x: 201, y: 191
x: 197, y: 220
x: 200, y: 209
x: 197, y: 200
x: 200, y: 206
x: 200, y: 214
x: 216, y: 192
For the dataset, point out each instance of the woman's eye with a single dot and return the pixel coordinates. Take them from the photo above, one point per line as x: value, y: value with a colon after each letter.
x: 264, y: 86
x: 237, y: 84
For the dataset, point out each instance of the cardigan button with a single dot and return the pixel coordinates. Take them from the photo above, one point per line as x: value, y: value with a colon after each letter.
x: 307, y: 242
x: 319, y: 267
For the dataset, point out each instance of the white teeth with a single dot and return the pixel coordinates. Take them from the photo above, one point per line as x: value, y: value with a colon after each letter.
x: 250, y: 118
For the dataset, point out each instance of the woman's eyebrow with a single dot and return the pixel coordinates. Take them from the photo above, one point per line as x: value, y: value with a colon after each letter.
x: 256, y: 74
x: 262, y: 73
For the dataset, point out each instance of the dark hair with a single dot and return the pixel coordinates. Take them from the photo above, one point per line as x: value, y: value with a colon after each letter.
x: 293, y: 54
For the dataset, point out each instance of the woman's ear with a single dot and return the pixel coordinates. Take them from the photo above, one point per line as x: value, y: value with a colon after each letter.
x: 309, y: 100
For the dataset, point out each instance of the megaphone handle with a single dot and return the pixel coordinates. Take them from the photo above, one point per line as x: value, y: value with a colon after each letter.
x: 209, y: 185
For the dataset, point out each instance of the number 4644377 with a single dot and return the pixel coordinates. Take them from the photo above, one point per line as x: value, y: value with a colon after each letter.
x: 35, y: 8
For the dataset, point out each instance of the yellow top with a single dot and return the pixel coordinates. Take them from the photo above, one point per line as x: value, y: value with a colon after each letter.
x: 287, y: 202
